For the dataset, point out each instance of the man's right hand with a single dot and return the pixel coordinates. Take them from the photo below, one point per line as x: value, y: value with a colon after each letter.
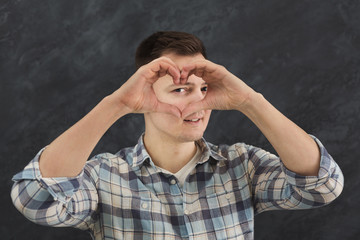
x: 137, y: 94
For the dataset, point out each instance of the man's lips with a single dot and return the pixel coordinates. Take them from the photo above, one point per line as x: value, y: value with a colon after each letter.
x: 194, y: 117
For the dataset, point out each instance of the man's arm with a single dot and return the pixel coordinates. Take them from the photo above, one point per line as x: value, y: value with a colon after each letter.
x: 274, y: 187
x: 296, y: 148
x: 59, y: 187
x: 275, y: 183
x: 67, y: 154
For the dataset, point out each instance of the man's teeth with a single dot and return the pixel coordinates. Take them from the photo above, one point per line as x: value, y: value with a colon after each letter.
x: 192, y: 120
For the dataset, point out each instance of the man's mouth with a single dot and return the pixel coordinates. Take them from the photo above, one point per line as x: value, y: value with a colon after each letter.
x: 192, y: 120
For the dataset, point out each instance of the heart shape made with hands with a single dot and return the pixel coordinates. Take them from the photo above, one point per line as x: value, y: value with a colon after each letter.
x: 220, y: 86
x: 215, y: 76
x: 224, y: 90
x: 180, y: 93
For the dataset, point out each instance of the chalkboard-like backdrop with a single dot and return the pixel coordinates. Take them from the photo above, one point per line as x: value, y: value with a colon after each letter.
x: 58, y: 59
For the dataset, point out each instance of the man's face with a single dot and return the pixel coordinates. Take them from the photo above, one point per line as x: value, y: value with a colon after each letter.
x: 168, y: 126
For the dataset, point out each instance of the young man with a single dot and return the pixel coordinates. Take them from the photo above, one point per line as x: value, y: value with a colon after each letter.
x: 173, y: 184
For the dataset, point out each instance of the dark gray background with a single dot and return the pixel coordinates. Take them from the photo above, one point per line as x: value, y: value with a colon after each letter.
x: 58, y: 59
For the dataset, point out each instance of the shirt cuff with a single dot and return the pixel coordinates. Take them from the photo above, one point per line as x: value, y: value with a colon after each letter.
x: 327, y: 167
x: 61, y: 188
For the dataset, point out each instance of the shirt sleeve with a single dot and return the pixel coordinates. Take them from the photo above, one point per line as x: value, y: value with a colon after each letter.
x: 59, y: 201
x: 276, y: 187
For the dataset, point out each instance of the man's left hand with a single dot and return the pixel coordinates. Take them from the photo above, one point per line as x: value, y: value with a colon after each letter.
x: 225, y: 90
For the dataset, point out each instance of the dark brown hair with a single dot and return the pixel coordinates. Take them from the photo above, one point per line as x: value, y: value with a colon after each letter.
x: 159, y: 43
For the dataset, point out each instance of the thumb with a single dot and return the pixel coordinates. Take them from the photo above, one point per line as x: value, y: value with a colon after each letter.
x: 193, y: 108
x: 168, y: 108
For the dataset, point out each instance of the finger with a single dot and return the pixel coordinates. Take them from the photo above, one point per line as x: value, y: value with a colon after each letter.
x: 173, y: 71
x: 175, y: 74
x: 193, y: 108
x: 168, y: 108
x: 162, y: 68
x: 186, y: 73
x: 168, y: 61
x: 201, y: 68
x: 165, y: 60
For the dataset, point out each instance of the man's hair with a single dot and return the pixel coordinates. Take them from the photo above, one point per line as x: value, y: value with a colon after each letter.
x: 159, y: 43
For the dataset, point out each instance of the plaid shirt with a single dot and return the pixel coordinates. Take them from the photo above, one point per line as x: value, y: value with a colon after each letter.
x: 123, y: 196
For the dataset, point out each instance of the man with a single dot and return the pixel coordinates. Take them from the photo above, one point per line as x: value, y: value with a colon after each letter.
x: 173, y: 184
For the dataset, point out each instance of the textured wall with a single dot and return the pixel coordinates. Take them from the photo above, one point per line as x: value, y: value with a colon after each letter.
x: 58, y: 59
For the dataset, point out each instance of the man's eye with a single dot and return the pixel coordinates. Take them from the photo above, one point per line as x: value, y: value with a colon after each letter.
x: 204, y: 89
x: 179, y: 90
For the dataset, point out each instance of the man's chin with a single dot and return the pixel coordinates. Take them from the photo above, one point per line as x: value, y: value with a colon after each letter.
x: 190, y: 137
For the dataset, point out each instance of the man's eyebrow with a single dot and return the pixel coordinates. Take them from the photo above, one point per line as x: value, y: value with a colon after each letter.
x: 186, y: 84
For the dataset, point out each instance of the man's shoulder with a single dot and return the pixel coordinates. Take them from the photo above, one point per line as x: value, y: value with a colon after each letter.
x: 123, y: 156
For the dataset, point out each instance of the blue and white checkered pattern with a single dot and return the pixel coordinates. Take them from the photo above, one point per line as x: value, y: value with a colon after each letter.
x: 123, y: 196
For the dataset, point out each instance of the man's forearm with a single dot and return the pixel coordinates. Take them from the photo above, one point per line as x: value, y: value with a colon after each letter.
x: 298, y: 151
x: 68, y: 153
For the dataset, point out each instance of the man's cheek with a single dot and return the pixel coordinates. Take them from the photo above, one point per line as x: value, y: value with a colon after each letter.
x: 169, y: 99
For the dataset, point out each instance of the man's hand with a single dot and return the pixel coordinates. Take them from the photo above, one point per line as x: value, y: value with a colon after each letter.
x: 137, y: 93
x: 225, y: 90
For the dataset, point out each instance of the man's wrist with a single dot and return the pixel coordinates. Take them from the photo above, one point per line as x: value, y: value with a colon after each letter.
x: 252, y: 103
x: 117, y: 108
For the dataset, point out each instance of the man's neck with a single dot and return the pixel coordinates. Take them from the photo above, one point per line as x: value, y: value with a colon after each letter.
x: 168, y: 153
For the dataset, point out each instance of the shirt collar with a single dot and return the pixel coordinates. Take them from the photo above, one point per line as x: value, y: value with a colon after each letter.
x: 140, y: 155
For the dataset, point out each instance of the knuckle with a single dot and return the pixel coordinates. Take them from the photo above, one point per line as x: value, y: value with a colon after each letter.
x: 222, y: 67
x: 163, y: 58
x: 144, y: 67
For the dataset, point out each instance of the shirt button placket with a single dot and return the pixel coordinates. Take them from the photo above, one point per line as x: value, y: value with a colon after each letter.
x: 228, y: 196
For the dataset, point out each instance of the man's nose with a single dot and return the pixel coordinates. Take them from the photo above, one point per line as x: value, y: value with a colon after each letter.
x: 196, y: 95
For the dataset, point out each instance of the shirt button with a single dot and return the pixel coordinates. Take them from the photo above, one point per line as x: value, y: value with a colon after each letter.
x: 228, y: 196
x: 173, y: 181
x: 186, y: 212
x: 144, y: 205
